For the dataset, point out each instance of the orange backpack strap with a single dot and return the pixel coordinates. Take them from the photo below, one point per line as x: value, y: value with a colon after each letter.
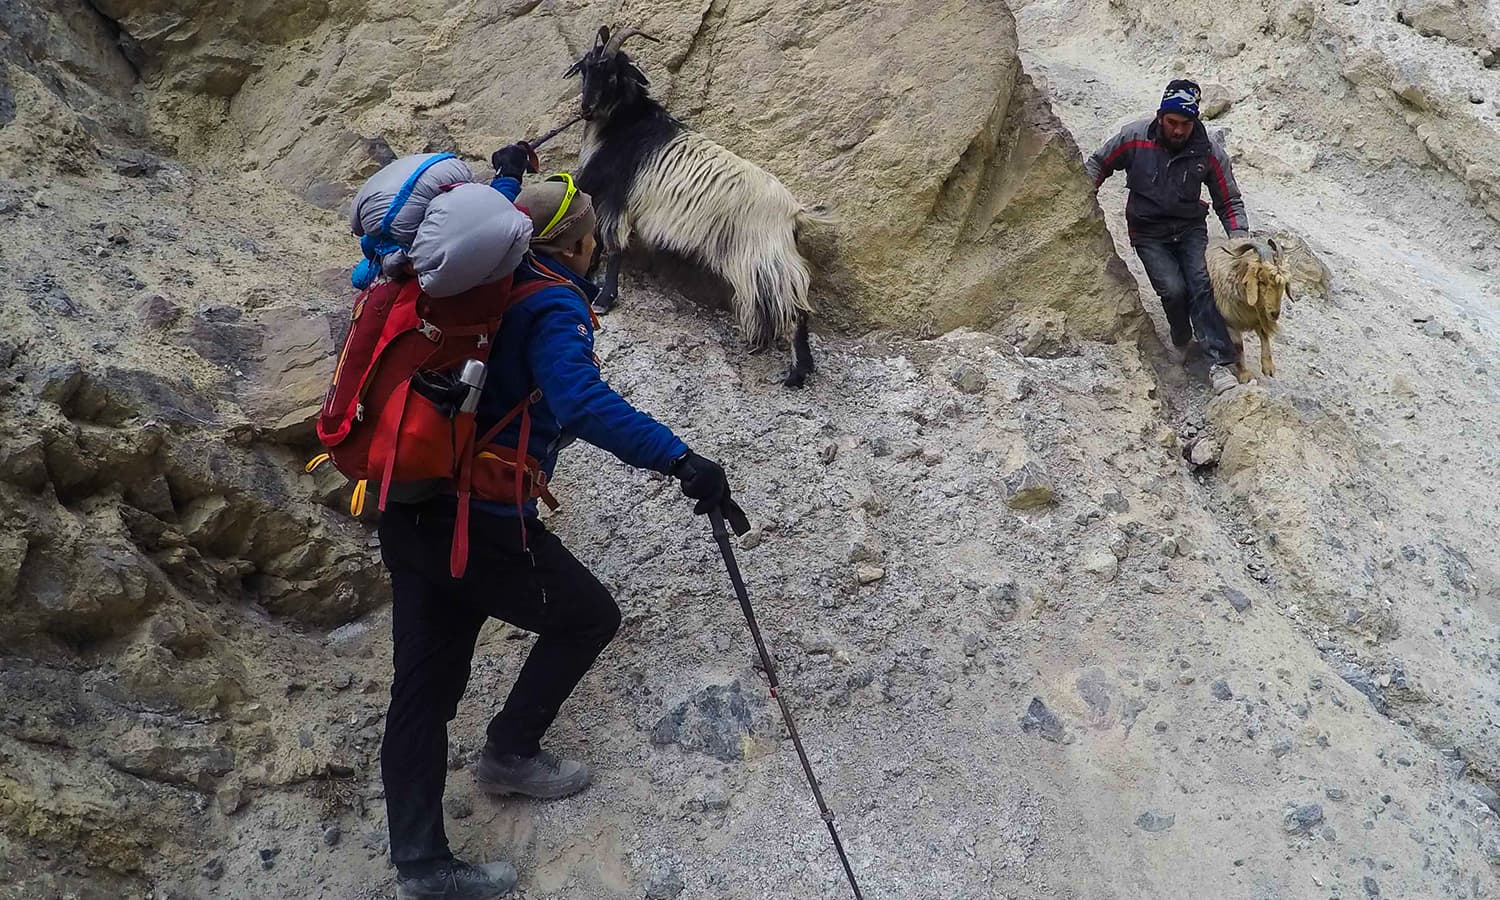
x: 510, y: 417
x: 549, y: 279
x: 522, y: 445
x: 393, y: 425
x: 458, y: 556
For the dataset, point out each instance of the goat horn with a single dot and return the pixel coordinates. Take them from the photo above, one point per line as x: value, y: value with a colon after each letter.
x: 620, y: 37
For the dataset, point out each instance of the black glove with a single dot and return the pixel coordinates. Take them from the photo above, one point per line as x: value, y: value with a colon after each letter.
x: 703, y: 480
x: 515, y: 160
x: 739, y: 523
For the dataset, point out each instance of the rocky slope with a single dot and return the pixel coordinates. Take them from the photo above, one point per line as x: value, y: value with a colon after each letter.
x: 1035, y: 651
x: 859, y: 107
x: 1353, y: 499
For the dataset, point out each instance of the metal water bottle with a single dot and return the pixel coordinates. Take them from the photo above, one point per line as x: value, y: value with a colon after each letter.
x: 472, y: 377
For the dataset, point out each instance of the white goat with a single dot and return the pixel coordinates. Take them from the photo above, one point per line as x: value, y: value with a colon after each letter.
x: 656, y: 180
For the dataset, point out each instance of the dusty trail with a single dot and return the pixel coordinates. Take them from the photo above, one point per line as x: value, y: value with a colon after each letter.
x: 1396, y: 367
x: 1034, y: 653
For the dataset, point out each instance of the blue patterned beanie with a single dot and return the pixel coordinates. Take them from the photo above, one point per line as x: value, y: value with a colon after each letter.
x: 1182, y: 97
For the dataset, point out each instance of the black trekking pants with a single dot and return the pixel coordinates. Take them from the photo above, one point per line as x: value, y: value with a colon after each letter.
x: 434, y: 625
x: 1179, y: 273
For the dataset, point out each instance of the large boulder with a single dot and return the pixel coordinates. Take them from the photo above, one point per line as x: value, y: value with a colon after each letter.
x: 287, y: 391
x: 1456, y: 20
x: 1311, y: 277
x: 959, y: 199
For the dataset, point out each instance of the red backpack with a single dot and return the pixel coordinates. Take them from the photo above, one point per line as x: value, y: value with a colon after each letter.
x: 377, y: 427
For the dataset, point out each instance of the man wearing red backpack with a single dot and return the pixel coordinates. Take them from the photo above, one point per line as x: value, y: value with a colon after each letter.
x: 517, y: 570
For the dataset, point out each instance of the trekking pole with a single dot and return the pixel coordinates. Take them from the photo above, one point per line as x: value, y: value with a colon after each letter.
x: 539, y: 141
x: 721, y: 535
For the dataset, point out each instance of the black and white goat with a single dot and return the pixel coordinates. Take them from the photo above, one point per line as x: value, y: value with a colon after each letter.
x: 655, y: 180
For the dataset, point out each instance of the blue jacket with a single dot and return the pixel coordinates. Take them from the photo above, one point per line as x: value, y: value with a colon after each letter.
x: 547, y: 341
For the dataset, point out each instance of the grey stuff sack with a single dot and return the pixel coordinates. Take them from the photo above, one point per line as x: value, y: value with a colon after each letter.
x: 374, y: 199
x: 470, y: 236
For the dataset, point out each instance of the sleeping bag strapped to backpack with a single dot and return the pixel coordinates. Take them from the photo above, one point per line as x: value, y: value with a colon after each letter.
x: 439, y: 259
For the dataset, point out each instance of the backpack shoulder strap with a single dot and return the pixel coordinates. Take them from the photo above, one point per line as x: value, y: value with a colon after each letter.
x: 548, y: 278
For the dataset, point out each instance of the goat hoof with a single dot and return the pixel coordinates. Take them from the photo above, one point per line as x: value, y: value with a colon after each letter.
x: 794, y: 379
x: 602, y: 305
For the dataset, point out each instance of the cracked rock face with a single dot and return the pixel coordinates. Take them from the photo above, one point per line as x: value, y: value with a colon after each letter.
x: 958, y: 197
x: 196, y: 635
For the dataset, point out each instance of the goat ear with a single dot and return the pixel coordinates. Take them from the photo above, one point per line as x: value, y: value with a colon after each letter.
x: 574, y: 69
x: 1252, y: 285
x: 603, y: 36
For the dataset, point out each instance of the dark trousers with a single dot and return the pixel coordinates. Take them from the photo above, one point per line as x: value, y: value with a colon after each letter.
x: 1176, y: 267
x: 435, y: 623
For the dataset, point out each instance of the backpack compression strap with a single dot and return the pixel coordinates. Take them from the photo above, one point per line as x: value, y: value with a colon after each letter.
x: 379, y: 242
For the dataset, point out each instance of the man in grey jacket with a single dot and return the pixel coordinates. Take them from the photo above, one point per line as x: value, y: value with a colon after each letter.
x: 1168, y: 160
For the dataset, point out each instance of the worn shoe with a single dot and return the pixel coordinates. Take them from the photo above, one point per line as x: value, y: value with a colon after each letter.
x: 544, y: 776
x: 1223, y: 379
x: 459, y: 880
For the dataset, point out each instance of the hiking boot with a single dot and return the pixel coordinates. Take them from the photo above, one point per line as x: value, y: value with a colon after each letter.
x: 1223, y: 379
x: 544, y: 776
x: 457, y: 880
